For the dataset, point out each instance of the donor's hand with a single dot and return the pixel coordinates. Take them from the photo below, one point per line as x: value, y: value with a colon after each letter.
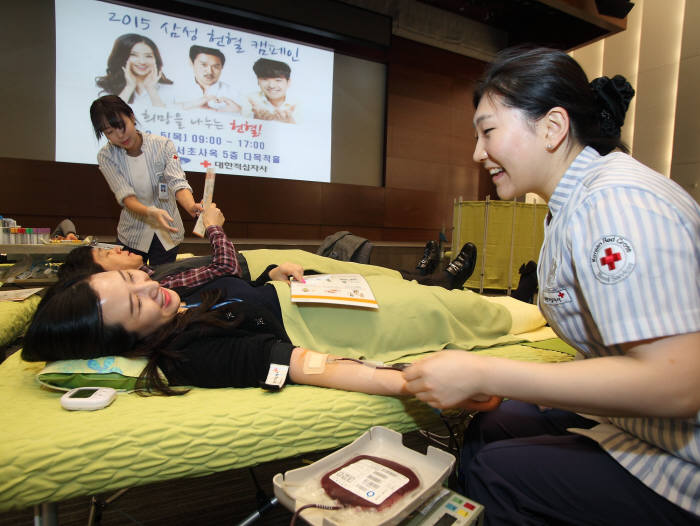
x: 212, y: 216
x: 285, y: 270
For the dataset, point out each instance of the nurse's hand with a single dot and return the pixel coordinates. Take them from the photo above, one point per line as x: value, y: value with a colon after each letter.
x: 196, y: 209
x: 449, y: 379
x: 161, y: 217
x: 283, y: 271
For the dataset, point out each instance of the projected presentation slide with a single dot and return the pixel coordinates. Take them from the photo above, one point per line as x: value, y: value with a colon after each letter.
x: 243, y: 103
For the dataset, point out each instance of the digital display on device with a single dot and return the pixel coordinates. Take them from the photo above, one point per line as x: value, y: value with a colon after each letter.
x: 446, y: 520
x: 194, y: 83
x: 88, y: 398
x: 83, y: 393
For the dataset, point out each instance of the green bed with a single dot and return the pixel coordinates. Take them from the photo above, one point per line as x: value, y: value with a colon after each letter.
x: 49, y: 454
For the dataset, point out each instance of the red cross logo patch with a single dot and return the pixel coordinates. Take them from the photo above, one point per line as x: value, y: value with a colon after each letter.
x: 556, y: 297
x: 612, y: 259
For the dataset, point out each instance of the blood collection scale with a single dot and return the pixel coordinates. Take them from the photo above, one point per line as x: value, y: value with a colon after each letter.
x: 302, y: 486
x: 447, y: 508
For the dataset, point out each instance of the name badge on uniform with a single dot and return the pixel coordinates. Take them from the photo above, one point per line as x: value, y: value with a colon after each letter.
x: 556, y: 297
x: 162, y: 188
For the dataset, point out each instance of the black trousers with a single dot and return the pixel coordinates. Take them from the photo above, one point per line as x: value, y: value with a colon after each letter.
x: 156, y: 255
x: 527, y: 469
x: 436, y: 279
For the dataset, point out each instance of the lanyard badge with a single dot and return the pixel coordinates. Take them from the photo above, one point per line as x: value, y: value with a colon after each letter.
x: 162, y: 187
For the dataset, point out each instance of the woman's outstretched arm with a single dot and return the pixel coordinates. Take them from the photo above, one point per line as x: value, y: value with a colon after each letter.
x: 653, y: 378
x: 327, y: 370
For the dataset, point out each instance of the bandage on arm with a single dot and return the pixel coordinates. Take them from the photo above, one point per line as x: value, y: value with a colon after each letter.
x: 314, y: 362
x: 347, y: 375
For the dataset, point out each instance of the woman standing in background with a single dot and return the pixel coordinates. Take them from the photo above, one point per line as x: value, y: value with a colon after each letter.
x: 144, y: 173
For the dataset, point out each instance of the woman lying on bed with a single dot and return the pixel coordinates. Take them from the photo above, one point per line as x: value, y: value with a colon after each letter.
x: 232, y: 334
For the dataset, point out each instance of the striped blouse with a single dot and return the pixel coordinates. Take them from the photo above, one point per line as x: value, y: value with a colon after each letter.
x: 620, y: 263
x: 161, y: 160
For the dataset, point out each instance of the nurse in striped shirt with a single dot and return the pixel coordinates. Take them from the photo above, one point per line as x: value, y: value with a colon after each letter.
x: 144, y: 173
x: 613, y: 438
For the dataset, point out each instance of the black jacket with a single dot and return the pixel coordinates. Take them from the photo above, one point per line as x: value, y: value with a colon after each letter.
x: 239, y: 354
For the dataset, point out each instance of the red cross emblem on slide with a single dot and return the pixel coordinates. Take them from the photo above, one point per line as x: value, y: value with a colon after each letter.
x: 610, y: 258
x: 206, y: 164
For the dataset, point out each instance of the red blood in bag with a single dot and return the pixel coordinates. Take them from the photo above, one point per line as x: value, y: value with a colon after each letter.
x: 349, y: 498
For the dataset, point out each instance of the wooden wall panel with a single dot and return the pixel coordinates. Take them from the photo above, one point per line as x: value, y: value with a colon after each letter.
x: 419, y: 175
x: 282, y: 231
x: 418, y: 235
x: 352, y: 205
x: 411, y: 208
x: 419, y: 114
x: 53, y: 189
x: 233, y: 229
x: 417, y: 144
x: 415, y: 80
x: 430, y: 142
x: 461, y: 123
x: 280, y: 201
x: 430, y: 136
x: 373, y: 234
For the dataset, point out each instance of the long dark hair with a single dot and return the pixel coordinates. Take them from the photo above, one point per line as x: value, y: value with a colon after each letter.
x: 113, y: 82
x: 79, y: 261
x: 536, y: 80
x: 68, y: 325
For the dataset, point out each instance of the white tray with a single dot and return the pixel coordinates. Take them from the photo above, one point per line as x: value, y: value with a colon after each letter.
x: 432, y: 469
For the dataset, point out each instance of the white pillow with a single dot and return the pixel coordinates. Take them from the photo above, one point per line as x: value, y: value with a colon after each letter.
x: 526, y: 316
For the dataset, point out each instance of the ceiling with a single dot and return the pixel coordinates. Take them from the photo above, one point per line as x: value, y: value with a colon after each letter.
x: 562, y: 24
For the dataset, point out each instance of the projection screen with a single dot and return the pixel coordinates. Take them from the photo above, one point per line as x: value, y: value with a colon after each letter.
x: 194, y: 82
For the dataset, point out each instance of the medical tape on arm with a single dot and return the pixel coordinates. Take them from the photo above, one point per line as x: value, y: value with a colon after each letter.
x: 361, y: 368
x: 314, y: 362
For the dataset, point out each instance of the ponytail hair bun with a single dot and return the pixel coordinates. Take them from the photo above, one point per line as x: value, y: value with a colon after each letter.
x: 613, y: 96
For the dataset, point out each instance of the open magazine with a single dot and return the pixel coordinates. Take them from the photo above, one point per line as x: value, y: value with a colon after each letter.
x: 339, y: 289
x: 17, y: 295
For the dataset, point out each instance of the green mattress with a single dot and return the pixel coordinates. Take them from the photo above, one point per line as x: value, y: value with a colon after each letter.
x: 49, y: 454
